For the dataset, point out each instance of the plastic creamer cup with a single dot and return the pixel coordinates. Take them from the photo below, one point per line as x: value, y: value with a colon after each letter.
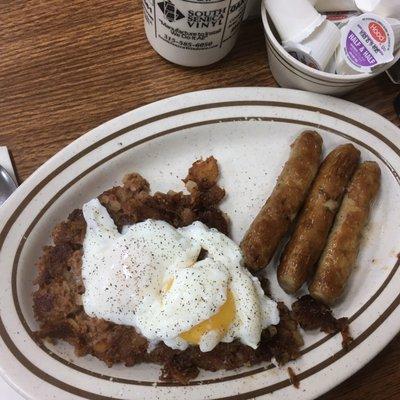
x: 291, y: 73
x: 339, y: 18
x: 395, y: 24
x: 384, y: 8
x: 367, y: 42
x: 294, y: 20
x: 334, y: 5
x: 193, y: 33
x: 331, y: 67
x: 318, y: 48
x: 337, y: 11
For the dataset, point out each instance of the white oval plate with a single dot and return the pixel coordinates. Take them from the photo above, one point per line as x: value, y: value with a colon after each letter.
x: 249, y: 131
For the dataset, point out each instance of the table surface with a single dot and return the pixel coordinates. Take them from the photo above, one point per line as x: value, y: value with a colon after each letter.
x: 66, y: 67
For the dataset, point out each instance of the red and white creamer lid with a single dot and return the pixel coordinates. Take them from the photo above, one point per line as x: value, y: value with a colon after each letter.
x: 367, y: 41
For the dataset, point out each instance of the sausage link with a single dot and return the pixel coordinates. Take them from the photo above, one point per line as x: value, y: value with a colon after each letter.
x: 315, y: 221
x: 273, y: 221
x: 340, y: 254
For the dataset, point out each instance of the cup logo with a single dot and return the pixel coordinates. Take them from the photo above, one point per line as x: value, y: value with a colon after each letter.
x: 377, y: 32
x: 171, y: 13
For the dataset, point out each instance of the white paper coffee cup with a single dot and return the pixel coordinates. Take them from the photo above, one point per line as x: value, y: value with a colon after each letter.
x: 294, y: 20
x: 193, y: 33
x: 318, y: 48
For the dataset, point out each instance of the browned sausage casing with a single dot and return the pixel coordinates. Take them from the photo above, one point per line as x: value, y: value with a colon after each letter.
x: 341, y: 251
x: 273, y: 221
x: 315, y: 221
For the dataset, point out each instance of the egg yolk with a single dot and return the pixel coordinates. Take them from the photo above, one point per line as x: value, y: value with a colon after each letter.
x: 168, y: 285
x: 219, y: 322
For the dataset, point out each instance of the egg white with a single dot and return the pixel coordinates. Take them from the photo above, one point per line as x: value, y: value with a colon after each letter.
x: 126, y: 274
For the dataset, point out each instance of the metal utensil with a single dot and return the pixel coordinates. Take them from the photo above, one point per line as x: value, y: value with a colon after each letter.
x: 7, y: 185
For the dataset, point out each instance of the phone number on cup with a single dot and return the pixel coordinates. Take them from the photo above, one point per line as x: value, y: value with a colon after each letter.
x: 177, y: 42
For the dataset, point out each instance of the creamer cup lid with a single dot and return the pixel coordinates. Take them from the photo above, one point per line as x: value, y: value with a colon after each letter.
x: 367, y: 41
x: 303, y: 54
x: 385, y: 8
x: 339, y: 18
x: 316, y: 50
x: 334, y: 5
x: 294, y: 20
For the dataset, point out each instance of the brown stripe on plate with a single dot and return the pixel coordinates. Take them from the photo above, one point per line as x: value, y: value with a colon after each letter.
x: 323, y: 364
x: 87, y: 150
x: 115, y: 154
x: 244, y: 396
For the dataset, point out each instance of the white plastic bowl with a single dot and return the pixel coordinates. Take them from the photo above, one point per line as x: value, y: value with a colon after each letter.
x: 291, y: 73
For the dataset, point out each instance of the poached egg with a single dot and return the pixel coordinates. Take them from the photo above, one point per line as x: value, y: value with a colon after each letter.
x: 149, y: 276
